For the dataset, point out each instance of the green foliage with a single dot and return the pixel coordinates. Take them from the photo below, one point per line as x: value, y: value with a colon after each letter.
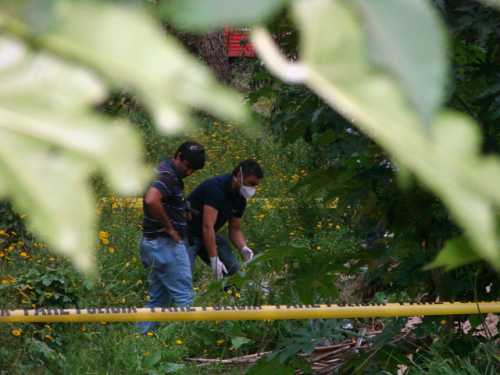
x: 51, y: 288
x: 267, y: 366
x: 442, y: 360
x: 330, y: 223
x: 10, y: 221
x: 159, y: 71
x: 411, y: 46
x: 455, y: 253
x: 39, y: 96
x: 495, y: 3
x: 212, y: 14
x: 446, y: 160
x: 52, y: 141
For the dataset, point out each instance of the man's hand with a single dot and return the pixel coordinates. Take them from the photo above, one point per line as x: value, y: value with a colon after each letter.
x: 246, y: 253
x: 174, y: 235
x: 218, y: 268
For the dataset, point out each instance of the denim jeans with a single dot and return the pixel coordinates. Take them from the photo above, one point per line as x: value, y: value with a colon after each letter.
x: 170, y: 280
x: 196, y: 248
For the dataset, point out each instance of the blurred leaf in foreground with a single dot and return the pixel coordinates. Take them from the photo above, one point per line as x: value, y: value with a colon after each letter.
x: 51, y: 143
x: 211, y: 14
x: 51, y: 139
x: 126, y: 47
x: 334, y: 63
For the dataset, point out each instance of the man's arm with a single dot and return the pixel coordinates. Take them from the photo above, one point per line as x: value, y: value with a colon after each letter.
x: 153, y: 200
x: 209, y: 219
x: 235, y: 234
x: 238, y: 239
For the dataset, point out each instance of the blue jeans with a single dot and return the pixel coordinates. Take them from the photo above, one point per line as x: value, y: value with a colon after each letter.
x: 170, y: 281
x: 196, y: 248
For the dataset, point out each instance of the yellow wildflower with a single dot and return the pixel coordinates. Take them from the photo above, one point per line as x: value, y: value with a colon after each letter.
x: 111, y: 250
x: 24, y: 254
x: 2, y: 254
x: 150, y: 334
x: 105, y: 241
x: 8, y: 280
x: 179, y: 342
x: 220, y: 342
x: 16, y: 332
x: 237, y: 295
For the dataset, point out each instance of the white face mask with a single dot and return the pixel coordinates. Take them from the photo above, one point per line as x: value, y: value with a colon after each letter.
x: 246, y: 191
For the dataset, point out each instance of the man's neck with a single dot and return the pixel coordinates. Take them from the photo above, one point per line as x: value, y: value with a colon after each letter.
x: 234, y: 184
x: 176, y: 167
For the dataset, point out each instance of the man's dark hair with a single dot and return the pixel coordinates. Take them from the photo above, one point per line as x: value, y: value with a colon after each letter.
x: 193, y: 153
x: 249, y: 167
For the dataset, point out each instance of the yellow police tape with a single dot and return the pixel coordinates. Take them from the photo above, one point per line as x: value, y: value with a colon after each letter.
x: 268, y: 312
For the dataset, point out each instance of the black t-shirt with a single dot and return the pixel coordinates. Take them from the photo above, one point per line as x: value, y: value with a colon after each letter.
x: 217, y: 193
x: 171, y: 186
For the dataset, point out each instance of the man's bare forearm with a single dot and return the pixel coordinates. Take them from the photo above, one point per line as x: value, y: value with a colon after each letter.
x: 209, y: 241
x: 237, y: 238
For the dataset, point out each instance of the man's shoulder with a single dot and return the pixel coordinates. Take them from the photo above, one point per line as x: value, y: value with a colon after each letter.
x: 215, y: 183
x: 165, y: 168
x: 165, y: 171
x: 211, y: 189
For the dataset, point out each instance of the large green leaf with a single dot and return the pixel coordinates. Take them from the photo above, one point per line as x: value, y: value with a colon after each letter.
x: 128, y: 49
x: 50, y: 144
x: 455, y: 253
x: 407, y: 38
x: 212, y: 14
x: 334, y: 63
x: 238, y: 341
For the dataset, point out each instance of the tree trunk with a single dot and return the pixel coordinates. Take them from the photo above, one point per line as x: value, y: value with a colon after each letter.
x: 211, y: 48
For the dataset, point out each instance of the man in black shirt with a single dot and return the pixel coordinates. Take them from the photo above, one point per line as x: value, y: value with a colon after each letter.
x: 163, y: 245
x: 215, y: 202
